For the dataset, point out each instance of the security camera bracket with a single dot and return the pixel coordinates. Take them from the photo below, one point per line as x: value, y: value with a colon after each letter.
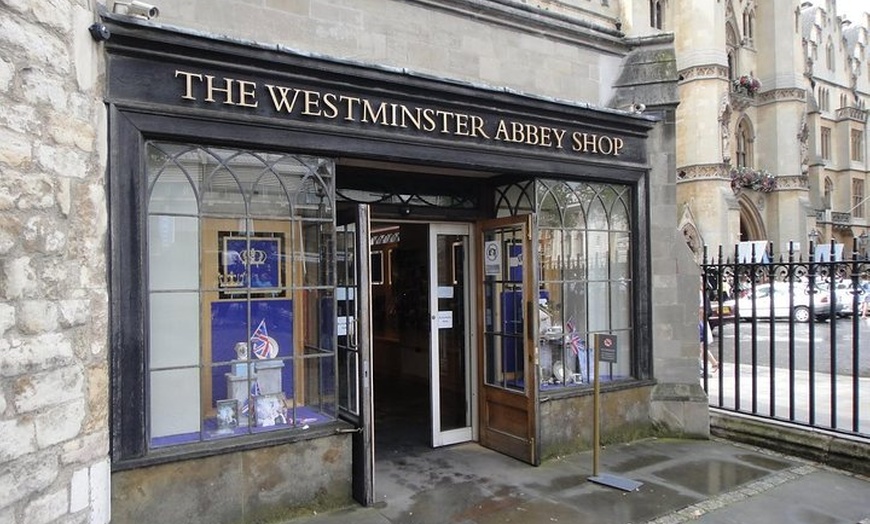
x: 99, y: 32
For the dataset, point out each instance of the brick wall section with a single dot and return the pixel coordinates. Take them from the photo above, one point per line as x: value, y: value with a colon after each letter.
x: 54, y: 463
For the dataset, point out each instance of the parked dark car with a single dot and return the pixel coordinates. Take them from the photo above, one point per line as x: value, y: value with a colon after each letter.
x: 720, y: 313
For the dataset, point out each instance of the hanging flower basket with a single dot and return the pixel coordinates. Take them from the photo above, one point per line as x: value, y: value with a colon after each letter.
x: 755, y: 179
x: 747, y: 85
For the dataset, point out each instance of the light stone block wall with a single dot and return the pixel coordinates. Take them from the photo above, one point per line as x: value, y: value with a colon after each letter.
x: 778, y: 148
x: 699, y: 35
x: 715, y: 200
x: 54, y: 435
x: 678, y: 405
x: 699, y: 111
x: 477, y: 47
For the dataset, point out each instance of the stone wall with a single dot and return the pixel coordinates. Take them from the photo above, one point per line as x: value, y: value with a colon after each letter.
x: 54, y: 464
x: 475, y: 41
x: 678, y: 405
x: 270, y: 484
x: 567, y: 424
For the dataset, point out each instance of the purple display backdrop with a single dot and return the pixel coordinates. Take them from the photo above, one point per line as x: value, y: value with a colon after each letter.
x: 229, y: 325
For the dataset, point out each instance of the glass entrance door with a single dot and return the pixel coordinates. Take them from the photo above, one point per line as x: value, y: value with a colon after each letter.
x: 450, y: 297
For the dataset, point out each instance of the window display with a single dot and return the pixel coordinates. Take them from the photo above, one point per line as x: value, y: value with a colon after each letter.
x: 584, y: 232
x: 240, y: 287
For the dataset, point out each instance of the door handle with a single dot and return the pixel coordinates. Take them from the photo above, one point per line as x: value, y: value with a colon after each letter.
x: 530, y: 322
x: 353, y: 340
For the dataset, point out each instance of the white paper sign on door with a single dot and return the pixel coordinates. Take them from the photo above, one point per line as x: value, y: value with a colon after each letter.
x: 344, y: 326
x: 445, y: 319
x: 445, y: 291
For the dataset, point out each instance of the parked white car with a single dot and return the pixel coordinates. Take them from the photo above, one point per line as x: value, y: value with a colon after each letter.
x: 844, y: 296
x: 789, y: 301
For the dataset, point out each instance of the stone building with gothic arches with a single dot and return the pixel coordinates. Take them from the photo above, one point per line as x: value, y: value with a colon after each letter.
x: 751, y: 219
x: 771, y: 107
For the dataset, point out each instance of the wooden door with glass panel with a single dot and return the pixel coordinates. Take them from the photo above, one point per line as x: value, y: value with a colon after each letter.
x: 507, y: 345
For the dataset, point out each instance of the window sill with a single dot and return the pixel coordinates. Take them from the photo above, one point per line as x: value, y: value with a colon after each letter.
x: 607, y: 387
x: 211, y: 448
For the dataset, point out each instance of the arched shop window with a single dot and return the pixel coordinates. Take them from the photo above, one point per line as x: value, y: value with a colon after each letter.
x: 585, y: 274
x: 240, y: 293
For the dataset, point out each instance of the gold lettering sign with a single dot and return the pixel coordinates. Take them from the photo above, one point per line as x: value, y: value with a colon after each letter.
x: 289, y: 101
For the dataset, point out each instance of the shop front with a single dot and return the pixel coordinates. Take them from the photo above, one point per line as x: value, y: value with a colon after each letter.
x: 298, y: 243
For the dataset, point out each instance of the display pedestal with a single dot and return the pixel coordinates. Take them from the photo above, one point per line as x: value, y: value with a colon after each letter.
x: 550, y: 351
x: 267, y: 374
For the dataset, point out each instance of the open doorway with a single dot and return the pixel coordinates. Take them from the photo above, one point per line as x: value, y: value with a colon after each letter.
x: 422, y: 336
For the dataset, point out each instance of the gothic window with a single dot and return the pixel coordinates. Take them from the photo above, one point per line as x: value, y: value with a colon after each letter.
x: 826, y: 143
x: 585, y: 275
x: 656, y: 14
x: 744, y: 145
x: 857, y: 145
x: 749, y: 25
x: 732, y: 43
x: 824, y: 99
x: 829, y: 56
x: 858, y: 198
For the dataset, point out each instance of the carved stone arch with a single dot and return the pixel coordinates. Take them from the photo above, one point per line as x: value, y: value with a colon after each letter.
x: 693, y: 240
x: 688, y: 227
x: 751, y: 221
x: 732, y: 25
x: 746, y: 122
x: 732, y: 35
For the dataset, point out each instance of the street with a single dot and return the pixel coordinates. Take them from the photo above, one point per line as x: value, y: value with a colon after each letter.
x: 840, y: 331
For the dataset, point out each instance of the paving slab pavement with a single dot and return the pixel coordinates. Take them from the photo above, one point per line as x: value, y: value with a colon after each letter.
x: 706, y: 481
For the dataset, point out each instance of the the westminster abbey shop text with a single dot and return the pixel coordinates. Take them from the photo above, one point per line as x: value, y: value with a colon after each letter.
x: 307, y: 104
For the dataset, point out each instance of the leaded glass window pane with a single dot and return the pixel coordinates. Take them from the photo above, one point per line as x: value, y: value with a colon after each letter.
x: 585, y: 273
x: 241, y: 292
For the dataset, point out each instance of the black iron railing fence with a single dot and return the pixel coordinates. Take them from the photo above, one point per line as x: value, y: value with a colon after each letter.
x: 789, y: 336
